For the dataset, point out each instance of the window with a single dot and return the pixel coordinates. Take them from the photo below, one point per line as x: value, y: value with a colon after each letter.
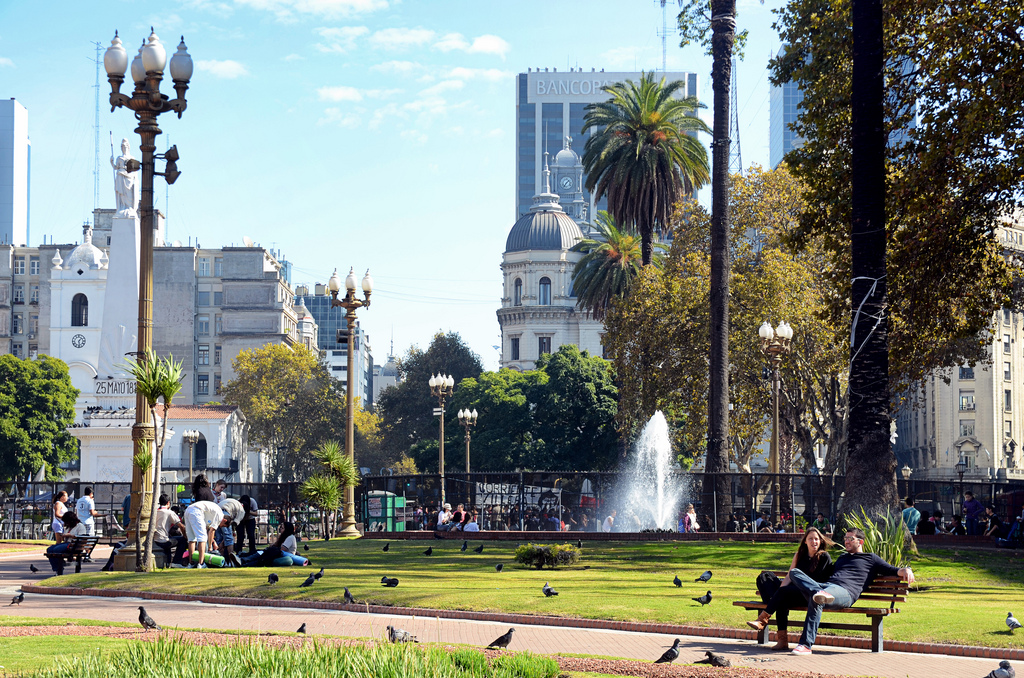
x: 204, y: 266
x: 19, y: 294
x: 218, y: 325
x: 1007, y: 429
x: 19, y: 265
x: 80, y: 311
x: 216, y: 354
x: 216, y: 384
x: 966, y: 427
x: 1006, y: 371
x: 967, y: 373
x: 1006, y: 316
x: 33, y: 265
x: 17, y: 351
x: 966, y: 401
x: 1006, y: 343
x: 18, y: 326
x: 204, y: 355
x: 515, y: 348
x: 1008, y: 400
x: 543, y: 345
x: 33, y: 324
x: 33, y: 297
x: 204, y: 384
x: 218, y: 298
x: 203, y: 325
x: 218, y: 267
x: 544, y: 297
x: 204, y: 298
x: 517, y: 294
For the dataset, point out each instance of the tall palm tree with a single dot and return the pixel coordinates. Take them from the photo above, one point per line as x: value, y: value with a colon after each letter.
x: 644, y: 155
x: 611, y: 263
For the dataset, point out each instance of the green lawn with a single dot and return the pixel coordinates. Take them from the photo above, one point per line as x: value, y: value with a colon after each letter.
x: 962, y: 597
x: 32, y: 653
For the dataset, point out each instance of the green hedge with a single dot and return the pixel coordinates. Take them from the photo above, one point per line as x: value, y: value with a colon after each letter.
x: 547, y: 555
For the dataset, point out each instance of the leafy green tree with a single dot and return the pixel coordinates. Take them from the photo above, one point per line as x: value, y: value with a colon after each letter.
x: 291, y: 403
x: 158, y: 380
x: 406, y: 409
x: 644, y: 154
x: 611, y: 263
x: 37, y: 406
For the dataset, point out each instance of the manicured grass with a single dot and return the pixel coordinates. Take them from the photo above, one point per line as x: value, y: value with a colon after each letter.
x: 8, y: 546
x: 34, y: 653
x: 614, y: 580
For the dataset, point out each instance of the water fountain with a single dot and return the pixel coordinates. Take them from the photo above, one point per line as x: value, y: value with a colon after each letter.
x: 653, y: 486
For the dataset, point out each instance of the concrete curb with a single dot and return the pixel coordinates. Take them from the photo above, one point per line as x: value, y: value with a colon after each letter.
x: 539, y: 620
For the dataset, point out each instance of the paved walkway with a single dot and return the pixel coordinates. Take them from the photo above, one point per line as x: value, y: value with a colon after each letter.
x: 14, y: 571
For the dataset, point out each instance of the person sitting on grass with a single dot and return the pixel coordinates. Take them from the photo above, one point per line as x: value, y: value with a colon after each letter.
x: 73, y: 527
x: 851, y: 574
x: 925, y: 526
x: 284, y: 545
x: 956, y: 526
x: 812, y: 558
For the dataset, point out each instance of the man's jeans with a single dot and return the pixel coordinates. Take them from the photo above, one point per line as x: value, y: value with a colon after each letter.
x: 808, y: 587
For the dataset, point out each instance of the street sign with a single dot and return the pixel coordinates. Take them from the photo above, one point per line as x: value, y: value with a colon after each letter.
x: 438, y: 411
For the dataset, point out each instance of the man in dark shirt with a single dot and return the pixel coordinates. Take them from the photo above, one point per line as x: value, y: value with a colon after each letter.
x: 851, y: 574
x: 995, y: 525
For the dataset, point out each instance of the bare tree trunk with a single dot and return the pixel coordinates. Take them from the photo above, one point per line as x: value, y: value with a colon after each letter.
x: 871, y: 465
x: 716, y: 485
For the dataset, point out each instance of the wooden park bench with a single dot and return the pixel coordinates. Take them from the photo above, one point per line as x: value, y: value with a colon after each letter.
x: 79, y: 549
x: 889, y: 590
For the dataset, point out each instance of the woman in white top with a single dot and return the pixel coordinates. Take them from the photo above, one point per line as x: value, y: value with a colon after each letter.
x: 59, y: 509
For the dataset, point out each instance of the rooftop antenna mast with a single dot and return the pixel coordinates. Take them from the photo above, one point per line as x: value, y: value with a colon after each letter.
x: 96, y: 136
x: 735, y: 155
x: 663, y: 34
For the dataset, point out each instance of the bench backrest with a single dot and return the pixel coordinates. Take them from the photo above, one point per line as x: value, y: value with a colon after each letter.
x: 82, y: 544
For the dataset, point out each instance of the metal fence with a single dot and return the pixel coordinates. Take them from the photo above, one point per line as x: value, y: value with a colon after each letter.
x: 515, y: 501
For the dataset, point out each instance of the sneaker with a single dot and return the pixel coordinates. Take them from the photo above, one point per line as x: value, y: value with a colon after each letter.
x: 201, y: 566
x: 801, y: 649
x: 823, y: 598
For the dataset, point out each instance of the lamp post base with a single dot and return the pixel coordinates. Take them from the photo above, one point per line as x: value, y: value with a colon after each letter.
x: 348, y: 523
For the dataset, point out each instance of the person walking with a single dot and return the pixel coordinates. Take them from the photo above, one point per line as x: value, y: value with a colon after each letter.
x: 85, y: 508
x: 851, y: 574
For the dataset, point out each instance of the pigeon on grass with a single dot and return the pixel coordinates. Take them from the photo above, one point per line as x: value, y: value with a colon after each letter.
x: 465, y: 545
x: 390, y: 582
x: 400, y: 636
x: 670, y: 655
x: 705, y: 599
x: 17, y: 600
x: 548, y: 591
x: 272, y: 578
x: 147, y: 621
x: 678, y: 582
x: 348, y: 597
x: 1012, y: 622
x: 499, y: 566
x: 309, y: 581
x: 579, y: 543
x: 319, y: 574
x: 479, y: 549
x: 302, y: 629
x: 387, y: 547
x: 714, y: 660
x: 502, y: 640
x: 305, y: 547
x: 704, y: 577
x: 1004, y: 671
x: 429, y: 551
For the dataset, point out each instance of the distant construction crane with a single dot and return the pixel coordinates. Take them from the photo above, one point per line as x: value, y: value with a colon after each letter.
x: 96, y: 134
x: 735, y: 155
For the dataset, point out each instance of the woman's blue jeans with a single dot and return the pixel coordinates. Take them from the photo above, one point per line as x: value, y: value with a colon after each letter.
x: 808, y: 587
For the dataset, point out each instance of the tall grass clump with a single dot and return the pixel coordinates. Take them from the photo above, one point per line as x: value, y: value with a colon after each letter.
x: 885, y: 536
x: 170, y: 657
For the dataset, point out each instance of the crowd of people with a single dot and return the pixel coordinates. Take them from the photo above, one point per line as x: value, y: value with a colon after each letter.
x: 978, y: 520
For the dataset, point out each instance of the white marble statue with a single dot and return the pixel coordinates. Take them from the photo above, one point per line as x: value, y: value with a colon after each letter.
x: 124, y: 182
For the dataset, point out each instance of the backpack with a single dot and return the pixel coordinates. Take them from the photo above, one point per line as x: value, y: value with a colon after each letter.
x: 767, y: 584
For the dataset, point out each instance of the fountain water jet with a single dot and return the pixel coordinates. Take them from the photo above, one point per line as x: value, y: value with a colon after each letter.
x: 653, y: 486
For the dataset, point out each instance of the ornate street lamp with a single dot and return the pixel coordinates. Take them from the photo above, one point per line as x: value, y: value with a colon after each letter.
x: 468, y: 421
x: 905, y: 472
x: 191, y: 437
x: 350, y: 304
x: 146, y: 100
x: 961, y: 469
x: 441, y: 387
x: 775, y: 344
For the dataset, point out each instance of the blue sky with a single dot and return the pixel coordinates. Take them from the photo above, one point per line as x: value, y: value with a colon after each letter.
x: 368, y: 133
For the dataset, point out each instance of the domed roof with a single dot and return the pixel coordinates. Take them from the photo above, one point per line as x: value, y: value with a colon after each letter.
x: 567, y: 157
x: 85, y: 255
x: 390, y: 368
x: 543, y: 230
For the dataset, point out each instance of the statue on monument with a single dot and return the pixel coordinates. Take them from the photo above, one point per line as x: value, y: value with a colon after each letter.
x: 125, y: 168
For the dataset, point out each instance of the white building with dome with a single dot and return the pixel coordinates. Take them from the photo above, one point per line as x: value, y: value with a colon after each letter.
x: 538, y: 311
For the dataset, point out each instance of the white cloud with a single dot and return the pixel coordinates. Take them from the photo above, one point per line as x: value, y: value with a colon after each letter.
x: 490, y: 74
x: 339, y: 40
x: 336, y: 117
x: 496, y: 133
x: 413, y: 135
x: 4, y: 61
x: 406, y: 68
x: 443, y: 86
x: 344, y: 93
x: 401, y: 38
x: 484, y: 44
x: 285, y: 10
x: 294, y: 57
x: 227, y: 69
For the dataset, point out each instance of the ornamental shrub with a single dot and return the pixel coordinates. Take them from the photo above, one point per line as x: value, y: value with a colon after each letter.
x: 547, y: 555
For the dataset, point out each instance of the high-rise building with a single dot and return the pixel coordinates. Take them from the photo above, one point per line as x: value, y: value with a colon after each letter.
x: 15, y: 161
x: 550, y: 107
x: 783, y: 108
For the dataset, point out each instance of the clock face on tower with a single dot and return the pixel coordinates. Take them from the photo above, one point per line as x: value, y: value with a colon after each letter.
x: 566, y: 183
x: 78, y: 341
